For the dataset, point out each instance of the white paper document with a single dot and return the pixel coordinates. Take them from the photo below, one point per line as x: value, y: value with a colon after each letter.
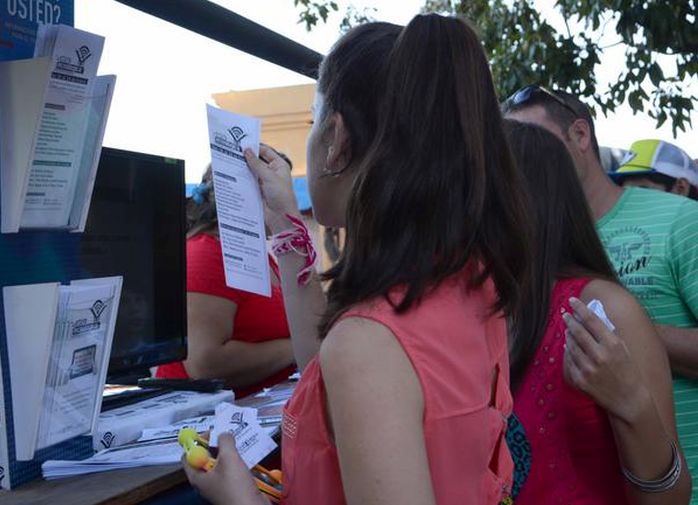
x: 252, y: 441
x: 128, y: 456
x: 57, y: 155
x: 597, y: 308
x: 199, y: 424
x: 238, y: 201
x: 78, y: 360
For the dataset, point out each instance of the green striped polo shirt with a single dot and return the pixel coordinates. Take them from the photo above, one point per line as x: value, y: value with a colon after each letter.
x: 651, y: 238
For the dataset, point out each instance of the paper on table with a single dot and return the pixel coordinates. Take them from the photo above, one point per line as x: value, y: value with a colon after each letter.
x: 54, y: 165
x: 252, y: 441
x: 130, y: 456
x: 199, y: 424
x: 238, y: 201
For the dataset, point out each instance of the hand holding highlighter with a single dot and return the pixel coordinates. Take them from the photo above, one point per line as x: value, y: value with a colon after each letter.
x: 196, y: 449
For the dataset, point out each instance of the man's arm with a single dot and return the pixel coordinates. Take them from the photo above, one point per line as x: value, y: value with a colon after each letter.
x: 682, y: 346
x: 682, y: 243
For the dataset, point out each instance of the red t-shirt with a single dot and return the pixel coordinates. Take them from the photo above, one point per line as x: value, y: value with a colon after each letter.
x: 257, y: 319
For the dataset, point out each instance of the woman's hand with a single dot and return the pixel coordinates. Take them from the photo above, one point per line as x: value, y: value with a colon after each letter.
x: 230, y: 482
x: 276, y: 184
x: 598, y: 363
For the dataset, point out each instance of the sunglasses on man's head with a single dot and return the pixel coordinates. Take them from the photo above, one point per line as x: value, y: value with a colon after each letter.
x: 527, y: 92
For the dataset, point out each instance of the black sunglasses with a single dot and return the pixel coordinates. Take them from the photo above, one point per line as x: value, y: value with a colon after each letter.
x: 524, y: 95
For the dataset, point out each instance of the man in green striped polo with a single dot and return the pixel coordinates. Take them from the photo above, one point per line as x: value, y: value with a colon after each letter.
x: 651, y: 238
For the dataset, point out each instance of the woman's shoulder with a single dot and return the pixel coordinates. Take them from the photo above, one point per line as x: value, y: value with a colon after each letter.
x: 609, y: 293
x: 620, y: 305
x: 204, y: 240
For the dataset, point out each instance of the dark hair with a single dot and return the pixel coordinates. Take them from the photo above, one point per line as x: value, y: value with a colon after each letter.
x: 437, y: 190
x: 558, y: 113
x: 202, y: 216
x: 351, y: 76
x: 667, y: 181
x: 566, y: 243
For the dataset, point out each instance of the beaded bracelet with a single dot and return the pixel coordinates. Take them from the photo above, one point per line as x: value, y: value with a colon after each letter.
x: 297, y: 240
x: 663, y: 483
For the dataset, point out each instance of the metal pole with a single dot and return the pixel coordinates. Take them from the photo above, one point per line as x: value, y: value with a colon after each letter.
x: 218, y: 23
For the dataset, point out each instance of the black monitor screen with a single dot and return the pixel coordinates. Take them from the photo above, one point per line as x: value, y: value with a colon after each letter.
x: 136, y: 228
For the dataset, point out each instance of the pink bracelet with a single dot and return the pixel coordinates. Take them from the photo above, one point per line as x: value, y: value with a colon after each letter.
x: 297, y: 240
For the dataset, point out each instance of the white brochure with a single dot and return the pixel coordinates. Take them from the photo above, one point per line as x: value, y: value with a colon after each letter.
x: 58, y: 151
x: 252, y: 441
x: 78, y: 360
x: 238, y: 201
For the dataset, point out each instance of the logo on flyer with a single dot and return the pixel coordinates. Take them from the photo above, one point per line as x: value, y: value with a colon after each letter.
x: 238, y: 134
x: 230, y: 142
x: 97, y: 308
x: 66, y: 64
x: 238, y: 424
x: 107, y: 439
x: 83, y: 53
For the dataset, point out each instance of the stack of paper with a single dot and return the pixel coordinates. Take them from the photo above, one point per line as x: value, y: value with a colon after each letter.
x: 126, y: 424
x: 53, y: 112
x: 160, y: 447
x: 78, y: 361
x: 128, y: 456
x: 58, y: 344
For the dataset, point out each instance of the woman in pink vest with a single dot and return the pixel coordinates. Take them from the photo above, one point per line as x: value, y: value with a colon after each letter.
x: 596, y: 403
x: 407, y: 399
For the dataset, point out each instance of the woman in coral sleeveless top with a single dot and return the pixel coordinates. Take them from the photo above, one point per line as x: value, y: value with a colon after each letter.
x: 596, y: 404
x: 407, y: 399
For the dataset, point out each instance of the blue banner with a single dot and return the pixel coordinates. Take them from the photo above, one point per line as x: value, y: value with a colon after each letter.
x: 19, y: 20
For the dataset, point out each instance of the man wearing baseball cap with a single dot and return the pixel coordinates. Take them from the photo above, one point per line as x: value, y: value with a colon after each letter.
x: 656, y: 164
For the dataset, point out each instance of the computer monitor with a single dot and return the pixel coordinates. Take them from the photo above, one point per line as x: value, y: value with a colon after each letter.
x: 136, y: 228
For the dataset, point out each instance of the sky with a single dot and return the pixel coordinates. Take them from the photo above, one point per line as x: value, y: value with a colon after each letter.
x: 166, y: 75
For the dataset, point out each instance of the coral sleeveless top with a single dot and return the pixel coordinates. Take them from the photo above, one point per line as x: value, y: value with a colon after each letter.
x: 574, y: 455
x: 459, y: 353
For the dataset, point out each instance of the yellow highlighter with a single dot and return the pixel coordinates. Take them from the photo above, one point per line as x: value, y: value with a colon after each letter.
x: 196, y: 449
x: 198, y: 456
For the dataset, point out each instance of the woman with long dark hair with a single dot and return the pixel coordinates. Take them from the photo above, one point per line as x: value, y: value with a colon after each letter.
x: 406, y: 400
x: 596, y: 403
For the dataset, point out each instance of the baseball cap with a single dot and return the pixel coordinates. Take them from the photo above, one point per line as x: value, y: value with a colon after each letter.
x: 657, y: 157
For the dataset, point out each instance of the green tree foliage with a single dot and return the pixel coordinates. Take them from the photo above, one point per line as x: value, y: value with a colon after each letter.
x: 659, y: 39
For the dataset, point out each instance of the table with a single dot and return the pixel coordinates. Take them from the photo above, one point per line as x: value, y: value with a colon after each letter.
x: 135, y: 485
x: 118, y: 487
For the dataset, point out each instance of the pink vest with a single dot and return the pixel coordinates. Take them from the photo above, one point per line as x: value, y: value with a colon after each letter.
x: 456, y: 350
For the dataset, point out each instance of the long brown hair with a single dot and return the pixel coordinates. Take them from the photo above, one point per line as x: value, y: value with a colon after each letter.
x: 437, y: 189
x: 565, y: 240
